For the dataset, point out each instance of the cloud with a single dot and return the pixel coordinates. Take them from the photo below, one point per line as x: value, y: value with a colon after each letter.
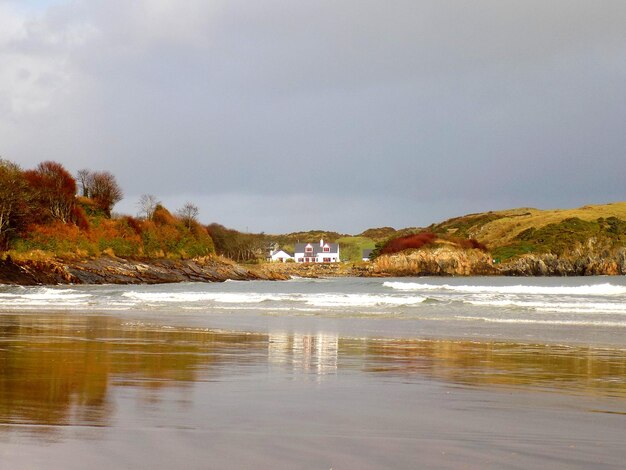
x: 446, y: 106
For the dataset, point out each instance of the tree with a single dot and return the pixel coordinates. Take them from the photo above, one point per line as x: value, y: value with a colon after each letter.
x: 53, y: 190
x: 188, y: 214
x: 13, y: 197
x: 147, y: 205
x: 237, y: 245
x: 104, y: 190
x: 82, y: 177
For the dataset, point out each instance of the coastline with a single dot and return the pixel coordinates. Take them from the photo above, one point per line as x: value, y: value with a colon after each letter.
x: 444, y: 261
x: 108, y: 270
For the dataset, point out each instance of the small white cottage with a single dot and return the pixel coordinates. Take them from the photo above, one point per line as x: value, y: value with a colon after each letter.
x: 279, y: 256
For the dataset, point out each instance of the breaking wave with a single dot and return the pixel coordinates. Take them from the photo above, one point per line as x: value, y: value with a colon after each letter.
x: 316, y: 300
x: 565, y: 307
x: 596, y: 289
x: 185, y: 297
x: 42, y: 297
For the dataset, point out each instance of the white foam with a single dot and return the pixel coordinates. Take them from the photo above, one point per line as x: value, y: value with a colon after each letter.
x: 594, y: 289
x: 317, y: 300
x: 44, y: 297
x: 527, y: 321
x: 361, y: 300
x: 184, y: 297
x: 574, y: 307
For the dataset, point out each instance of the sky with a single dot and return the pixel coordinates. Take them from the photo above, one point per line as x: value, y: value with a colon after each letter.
x: 281, y: 116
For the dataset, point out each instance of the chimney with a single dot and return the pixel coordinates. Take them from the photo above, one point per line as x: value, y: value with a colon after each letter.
x: 321, y: 242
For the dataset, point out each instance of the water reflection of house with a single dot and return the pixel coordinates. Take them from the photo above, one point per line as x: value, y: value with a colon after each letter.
x: 305, y: 353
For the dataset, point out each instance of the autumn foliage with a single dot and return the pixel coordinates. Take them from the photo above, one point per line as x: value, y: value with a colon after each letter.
x: 407, y: 242
x: 424, y: 239
x: 39, y: 210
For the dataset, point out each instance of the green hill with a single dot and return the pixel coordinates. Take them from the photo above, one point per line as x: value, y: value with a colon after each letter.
x: 513, y: 232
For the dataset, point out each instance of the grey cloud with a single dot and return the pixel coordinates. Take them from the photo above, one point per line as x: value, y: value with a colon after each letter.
x: 443, y: 106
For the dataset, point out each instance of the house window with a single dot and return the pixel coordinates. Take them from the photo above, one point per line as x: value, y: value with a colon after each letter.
x: 326, y: 260
x: 309, y: 249
x: 326, y: 249
x: 300, y: 260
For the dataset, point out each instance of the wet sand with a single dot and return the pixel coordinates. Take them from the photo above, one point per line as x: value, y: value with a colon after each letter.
x: 88, y: 391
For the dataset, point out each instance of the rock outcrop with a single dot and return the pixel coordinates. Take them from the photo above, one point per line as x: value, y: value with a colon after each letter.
x: 106, y: 270
x: 314, y: 270
x: 589, y: 264
x: 439, y: 261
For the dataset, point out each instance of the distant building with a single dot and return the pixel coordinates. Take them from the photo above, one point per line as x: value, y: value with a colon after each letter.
x: 314, y: 253
x: 279, y: 256
x: 366, y: 254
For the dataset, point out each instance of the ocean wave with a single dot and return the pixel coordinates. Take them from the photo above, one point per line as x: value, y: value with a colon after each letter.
x: 361, y: 300
x: 528, y: 321
x: 573, y: 307
x: 220, y: 297
x: 316, y: 300
x: 593, y: 289
x: 44, y: 296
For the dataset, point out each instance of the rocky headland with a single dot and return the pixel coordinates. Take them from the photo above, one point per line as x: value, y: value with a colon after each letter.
x: 109, y: 270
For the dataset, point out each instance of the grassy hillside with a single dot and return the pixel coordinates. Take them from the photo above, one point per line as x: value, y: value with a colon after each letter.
x: 352, y: 247
x: 514, y: 232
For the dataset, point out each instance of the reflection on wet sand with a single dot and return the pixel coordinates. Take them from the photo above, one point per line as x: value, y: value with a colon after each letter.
x: 306, y: 353
x: 57, y: 370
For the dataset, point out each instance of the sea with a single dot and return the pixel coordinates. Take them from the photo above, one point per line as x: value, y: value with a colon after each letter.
x: 422, y: 372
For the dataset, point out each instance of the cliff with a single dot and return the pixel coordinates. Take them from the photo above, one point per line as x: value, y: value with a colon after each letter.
x: 588, y: 264
x: 107, y: 270
x: 439, y: 261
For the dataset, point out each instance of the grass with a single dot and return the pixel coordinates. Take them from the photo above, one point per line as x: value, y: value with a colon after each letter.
x: 351, y: 248
x: 501, y: 228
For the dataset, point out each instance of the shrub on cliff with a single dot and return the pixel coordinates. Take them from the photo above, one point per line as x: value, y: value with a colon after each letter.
x: 423, y: 240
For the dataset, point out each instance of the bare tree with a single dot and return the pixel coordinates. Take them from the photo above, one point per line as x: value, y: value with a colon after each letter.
x: 147, y: 205
x: 83, y: 178
x: 104, y: 190
x: 188, y: 214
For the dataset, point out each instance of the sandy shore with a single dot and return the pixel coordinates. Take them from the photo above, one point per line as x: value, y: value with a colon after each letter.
x: 92, y: 391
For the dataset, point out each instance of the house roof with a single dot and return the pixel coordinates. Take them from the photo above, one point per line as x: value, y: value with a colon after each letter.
x: 367, y: 253
x: 334, y: 247
x: 280, y: 251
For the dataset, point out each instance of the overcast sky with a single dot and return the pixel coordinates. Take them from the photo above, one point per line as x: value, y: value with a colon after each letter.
x: 340, y: 115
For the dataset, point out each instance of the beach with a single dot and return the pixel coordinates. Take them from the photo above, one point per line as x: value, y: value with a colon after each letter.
x: 341, y: 373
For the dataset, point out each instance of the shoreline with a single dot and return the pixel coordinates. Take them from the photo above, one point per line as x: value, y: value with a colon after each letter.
x: 108, y: 270
x: 437, y: 263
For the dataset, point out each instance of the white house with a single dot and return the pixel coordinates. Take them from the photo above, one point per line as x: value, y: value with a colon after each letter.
x: 279, y: 256
x: 314, y: 253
